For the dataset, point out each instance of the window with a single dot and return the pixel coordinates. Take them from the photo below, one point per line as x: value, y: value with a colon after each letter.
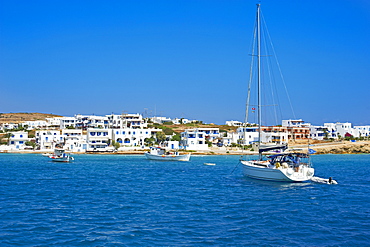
x: 21, y: 142
x: 92, y: 133
x: 123, y: 132
x: 98, y: 133
x: 21, y: 136
x: 105, y: 133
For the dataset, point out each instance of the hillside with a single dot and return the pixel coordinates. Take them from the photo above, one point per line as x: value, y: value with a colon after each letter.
x: 178, y: 128
x: 24, y: 116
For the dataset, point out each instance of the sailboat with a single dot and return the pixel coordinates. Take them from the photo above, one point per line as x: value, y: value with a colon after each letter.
x: 282, y: 166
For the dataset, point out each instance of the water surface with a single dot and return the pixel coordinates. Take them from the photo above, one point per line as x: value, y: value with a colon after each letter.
x: 117, y: 200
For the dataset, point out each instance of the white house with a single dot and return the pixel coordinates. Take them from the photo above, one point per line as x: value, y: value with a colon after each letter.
x: 230, y: 138
x: 363, y: 131
x: 233, y: 123
x: 160, y: 120
x: 38, y: 124
x: 346, y: 128
x: 294, y: 123
x: 91, y: 121
x: 18, y: 140
x: 66, y: 122
x: 99, y: 140
x: 132, y: 137
x: 48, y: 139
x: 8, y: 126
x: 196, y: 139
x: 181, y: 121
x: 247, y: 135
x: 54, y: 122
x: 74, y: 140
x: 322, y: 132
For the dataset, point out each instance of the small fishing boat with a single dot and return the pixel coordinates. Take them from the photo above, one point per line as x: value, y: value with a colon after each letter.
x: 60, y: 156
x: 209, y: 164
x: 159, y: 153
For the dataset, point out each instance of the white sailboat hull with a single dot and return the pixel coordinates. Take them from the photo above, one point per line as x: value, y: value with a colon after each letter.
x: 250, y: 169
x: 163, y: 157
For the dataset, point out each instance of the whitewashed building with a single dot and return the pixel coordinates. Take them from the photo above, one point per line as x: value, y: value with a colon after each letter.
x: 294, y: 123
x: 54, y: 122
x: 181, y: 121
x: 48, y: 139
x: 234, y: 123
x: 99, y: 140
x: 133, y: 137
x: 160, y: 120
x: 344, y: 129
x: 196, y: 139
x: 229, y: 138
x: 37, y: 124
x: 8, y: 126
x: 364, y: 131
x: 74, y: 140
x: 247, y: 135
x: 67, y: 122
x: 17, y: 140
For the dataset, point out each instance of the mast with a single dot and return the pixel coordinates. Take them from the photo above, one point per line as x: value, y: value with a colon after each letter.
x: 259, y: 78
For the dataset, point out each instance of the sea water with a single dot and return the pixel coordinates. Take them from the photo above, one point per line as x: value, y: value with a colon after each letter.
x: 118, y: 200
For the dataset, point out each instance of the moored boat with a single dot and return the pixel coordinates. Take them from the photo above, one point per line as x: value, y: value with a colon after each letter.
x: 284, y: 166
x: 159, y: 153
x: 60, y: 156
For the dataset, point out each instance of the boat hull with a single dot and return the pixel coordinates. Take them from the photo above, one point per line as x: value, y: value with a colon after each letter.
x: 279, y: 175
x: 184, y: 157
x: 61, y: 159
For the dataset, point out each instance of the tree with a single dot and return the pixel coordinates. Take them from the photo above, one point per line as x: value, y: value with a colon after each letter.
x: 116, y: 145
x: 161, y: 137
x: 149, y: 141
x: 176, y: 137
x: 32, y: 144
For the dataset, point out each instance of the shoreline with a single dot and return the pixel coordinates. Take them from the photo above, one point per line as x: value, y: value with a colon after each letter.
x: 345, y: 147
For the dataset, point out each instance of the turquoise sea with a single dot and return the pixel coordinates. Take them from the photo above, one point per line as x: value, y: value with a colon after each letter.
x: 117, y: 200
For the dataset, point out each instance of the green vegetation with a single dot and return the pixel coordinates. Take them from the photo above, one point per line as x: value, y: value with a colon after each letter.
x: 176, y: 137
x: 32, y: 144
x: 161, y: 137
x: 116, y: 145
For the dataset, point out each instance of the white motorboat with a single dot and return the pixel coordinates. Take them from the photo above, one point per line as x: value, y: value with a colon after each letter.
x: 284, y: 166
x: 60, y: 156
x: 159, y: 153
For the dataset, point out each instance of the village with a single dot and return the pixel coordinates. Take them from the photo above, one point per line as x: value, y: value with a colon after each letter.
x: 132, y: 132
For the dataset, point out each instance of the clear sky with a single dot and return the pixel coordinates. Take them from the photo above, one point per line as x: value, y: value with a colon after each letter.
x: 181, y: 58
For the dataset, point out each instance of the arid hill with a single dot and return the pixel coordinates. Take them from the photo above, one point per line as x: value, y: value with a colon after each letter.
x: 24, y: 116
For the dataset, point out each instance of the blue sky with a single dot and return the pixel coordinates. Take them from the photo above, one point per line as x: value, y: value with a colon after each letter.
x: 181, y: 58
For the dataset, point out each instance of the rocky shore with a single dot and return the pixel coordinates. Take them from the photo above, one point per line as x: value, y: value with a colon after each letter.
x: 345, y: 147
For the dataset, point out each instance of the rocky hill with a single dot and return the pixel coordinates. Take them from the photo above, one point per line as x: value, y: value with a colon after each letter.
x: 21, y: 117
